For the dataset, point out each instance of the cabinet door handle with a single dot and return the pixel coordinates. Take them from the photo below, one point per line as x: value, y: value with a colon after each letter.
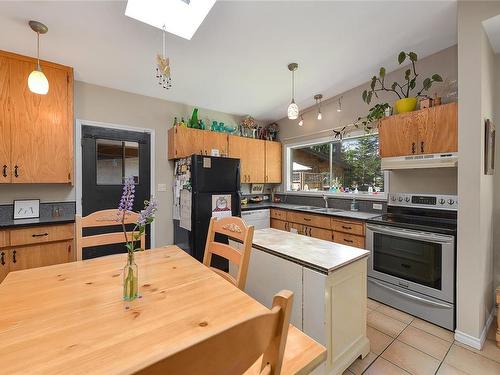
x: 413, y: 147
x: 344, y: 227
x: 422, y: 147
x: 14, y: 260
x: 16, y: 174
x: 40, y: 235
x: 4, y: 171
x: 348, y: 241
x: 2, y: 258
x: 307, y: 219
x: 309, y: 232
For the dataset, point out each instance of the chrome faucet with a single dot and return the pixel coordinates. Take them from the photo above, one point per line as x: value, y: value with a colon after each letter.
x: 326, y: 200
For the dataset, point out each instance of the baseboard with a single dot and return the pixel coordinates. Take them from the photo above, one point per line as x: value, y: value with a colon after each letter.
x: 474, y: 342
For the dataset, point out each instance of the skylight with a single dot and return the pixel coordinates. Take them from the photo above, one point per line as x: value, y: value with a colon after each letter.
x: 180, y: 17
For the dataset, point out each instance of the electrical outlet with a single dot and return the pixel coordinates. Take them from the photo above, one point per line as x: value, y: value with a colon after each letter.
x: 377, y: 206
x: 162, y: 187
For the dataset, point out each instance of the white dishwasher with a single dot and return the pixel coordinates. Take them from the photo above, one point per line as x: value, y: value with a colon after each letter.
x: 260, y: 219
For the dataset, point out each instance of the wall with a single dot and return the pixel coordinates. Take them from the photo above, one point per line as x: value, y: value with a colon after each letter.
x: 420, y: 181
x: 475, y: 218
x: 496, y: 205
x: 101, y: 104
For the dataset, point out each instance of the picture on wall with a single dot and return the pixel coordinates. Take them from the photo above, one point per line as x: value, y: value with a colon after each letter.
x: 489, y: 147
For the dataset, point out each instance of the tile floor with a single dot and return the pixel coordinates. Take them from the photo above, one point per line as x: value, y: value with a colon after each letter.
x: 402, y: 344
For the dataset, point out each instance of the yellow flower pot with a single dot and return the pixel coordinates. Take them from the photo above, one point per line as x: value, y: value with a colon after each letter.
x: 405, y: 105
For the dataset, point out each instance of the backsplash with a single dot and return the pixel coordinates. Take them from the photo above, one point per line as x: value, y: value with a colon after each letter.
x: 66, y: 209
x: 340, y: 203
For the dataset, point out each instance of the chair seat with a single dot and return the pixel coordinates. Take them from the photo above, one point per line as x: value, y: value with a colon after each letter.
x: 302, y: 354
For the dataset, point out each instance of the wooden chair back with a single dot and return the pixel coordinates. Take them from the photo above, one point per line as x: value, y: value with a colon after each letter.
x: 233, y: 227
x: 104, y: 218
x: 236, y: 349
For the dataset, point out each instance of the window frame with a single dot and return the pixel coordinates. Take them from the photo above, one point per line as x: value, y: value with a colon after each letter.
x: 287, y: 173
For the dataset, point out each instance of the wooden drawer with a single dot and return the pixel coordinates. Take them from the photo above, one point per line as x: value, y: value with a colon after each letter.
x: 279, y: 224
x: 309, y: 220
x: 41, y: 234
x: 41, y: 255
x: 322, y: 234
x: 4, y: 238
x: 278, y: 214
x: 349, y: 239
x: 348, y: 226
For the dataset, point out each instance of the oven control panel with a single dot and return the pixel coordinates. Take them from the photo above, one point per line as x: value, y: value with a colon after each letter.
x: 443, y: 202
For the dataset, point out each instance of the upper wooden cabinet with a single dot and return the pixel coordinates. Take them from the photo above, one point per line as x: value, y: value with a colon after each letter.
x: 273, y: 162
x: 215, y: 141
x: 36, y: 130
x: 251, y: 153
x: 183, y: 142
x: 427, y: 131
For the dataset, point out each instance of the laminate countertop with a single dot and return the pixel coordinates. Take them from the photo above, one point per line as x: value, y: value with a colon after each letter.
x: 359, y: 215
x: 322, y: 256
x: 18, y: 223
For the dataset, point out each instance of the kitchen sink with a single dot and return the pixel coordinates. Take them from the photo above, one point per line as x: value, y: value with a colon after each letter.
x: 327, y: 210
x: 311, y: 208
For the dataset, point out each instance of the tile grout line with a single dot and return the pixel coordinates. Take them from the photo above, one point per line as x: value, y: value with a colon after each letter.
x: 445, y: 357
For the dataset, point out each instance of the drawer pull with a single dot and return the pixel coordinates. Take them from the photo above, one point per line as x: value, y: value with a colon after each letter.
x: 307, y: 219
x: 40, y: 235
x: 14, y: 260
x: 4, y: 171
x: 343, y: 226
x: 348, y: 241
x: 2, y: 258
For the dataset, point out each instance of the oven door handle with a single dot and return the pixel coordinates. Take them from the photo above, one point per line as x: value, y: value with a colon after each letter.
x: 423, y: 236
x: 411, y: 296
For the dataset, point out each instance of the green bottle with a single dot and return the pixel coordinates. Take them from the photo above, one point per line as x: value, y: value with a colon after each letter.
x: 193, y: 122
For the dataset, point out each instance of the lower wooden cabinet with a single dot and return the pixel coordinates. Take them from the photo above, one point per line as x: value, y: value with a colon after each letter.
x: 349, y: 239
x: 279, y: 224
x: 39, y: 246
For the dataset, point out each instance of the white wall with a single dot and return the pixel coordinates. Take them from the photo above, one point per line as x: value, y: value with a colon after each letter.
x: 476, y: 76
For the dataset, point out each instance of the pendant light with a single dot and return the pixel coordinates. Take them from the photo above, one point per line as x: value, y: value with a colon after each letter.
x: 318, y: 98
x: 163, y: 65
x: 301, y: 122
x: 37, y: 82
x: 339, y: 105
x: 293, y: 109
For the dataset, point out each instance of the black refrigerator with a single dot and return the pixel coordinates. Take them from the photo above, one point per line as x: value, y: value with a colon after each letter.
x: 210, y: 177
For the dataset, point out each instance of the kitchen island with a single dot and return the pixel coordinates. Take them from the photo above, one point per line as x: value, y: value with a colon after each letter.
x: 329, y: 285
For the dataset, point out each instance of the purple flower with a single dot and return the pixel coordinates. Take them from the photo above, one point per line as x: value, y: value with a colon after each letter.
x: 127, y: 200
x: 146, y: 216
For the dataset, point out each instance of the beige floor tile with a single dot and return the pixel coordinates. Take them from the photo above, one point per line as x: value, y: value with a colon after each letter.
x: 378, y: 341
x: 410, y: 359
x: 373, y: 304
x: 425, y: 342
x: 433, y: 329
x: 384, y: 367
x: 347, y: 372
x: 396, y: 314
x: 385, y: 324
x: 470, y: 362
x: 447, y: 369
x: 360, y: 365
x: 489, y: 350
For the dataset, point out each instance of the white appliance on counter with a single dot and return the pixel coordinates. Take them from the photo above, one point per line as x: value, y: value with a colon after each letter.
x: 260, y: 219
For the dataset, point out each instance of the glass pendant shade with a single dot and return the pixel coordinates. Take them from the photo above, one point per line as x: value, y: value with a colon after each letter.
x: 320, y: 116
x: 37, y: 82
x: 293, y: 111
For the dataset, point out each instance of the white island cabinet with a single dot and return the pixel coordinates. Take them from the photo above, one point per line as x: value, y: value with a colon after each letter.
x: 329, y: 285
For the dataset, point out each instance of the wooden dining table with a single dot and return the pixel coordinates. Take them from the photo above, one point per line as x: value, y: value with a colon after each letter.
x: 71, y: 318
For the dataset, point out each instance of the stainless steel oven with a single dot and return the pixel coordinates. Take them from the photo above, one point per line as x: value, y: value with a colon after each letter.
x: 412, y: 263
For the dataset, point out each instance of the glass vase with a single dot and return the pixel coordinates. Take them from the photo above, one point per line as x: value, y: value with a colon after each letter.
x: 130, y: 279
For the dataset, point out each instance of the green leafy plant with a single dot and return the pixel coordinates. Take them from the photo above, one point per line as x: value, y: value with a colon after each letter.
x: 374, y: 114
x: 401, y: 90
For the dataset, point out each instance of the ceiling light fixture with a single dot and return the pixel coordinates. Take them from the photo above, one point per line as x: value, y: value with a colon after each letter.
x: 293, y: 109
x: 163, y: 65
x: 339, y: 104
x: 318, y: 98
x: 301, y: 122
x: 37, y: 82
x: 181, y: 17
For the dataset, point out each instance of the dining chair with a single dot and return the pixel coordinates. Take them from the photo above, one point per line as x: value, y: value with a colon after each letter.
x: 238, y: 348
x: 104, y: 218
x: 236, y: 228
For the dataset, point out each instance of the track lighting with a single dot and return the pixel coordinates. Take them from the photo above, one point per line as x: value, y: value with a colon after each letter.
x: 339, y: 105
x: 301, y: 122
x: 318, y: 98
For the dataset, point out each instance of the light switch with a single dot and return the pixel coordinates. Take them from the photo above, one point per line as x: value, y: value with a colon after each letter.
x: 162, y: 187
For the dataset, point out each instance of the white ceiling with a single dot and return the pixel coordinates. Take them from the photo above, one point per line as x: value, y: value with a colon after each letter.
x: 236, y: 61
x: 492, y: 28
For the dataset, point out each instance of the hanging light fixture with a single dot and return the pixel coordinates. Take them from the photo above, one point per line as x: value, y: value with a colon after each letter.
x: 301, y: 122
x: 163, y: 65
x: 339, y: 105
x: 293, y: 109
x: 37, y: 82
x: 318, y: 98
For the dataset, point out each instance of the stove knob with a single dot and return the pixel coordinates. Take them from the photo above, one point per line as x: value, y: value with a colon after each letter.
x: 407, y: 199
x: 400, y: 199
x: 442, y: 201
x: 450, y: 202
x: 393, y: 198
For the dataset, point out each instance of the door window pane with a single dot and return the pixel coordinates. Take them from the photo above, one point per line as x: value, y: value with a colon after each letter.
x: 115, y: 161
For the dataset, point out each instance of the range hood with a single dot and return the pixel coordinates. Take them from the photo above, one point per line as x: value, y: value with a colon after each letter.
x: 420, y: 161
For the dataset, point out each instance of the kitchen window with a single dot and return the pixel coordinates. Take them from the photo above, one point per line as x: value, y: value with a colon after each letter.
x: 349, y: 166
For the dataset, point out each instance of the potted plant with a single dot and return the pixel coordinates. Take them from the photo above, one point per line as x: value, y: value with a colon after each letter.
x: 407, y: 101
